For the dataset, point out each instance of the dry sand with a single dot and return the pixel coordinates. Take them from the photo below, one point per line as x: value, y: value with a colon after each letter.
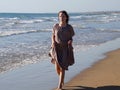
x: 103, y: 75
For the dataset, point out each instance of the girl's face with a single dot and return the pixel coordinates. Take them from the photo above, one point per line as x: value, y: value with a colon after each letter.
x: 62, y: 17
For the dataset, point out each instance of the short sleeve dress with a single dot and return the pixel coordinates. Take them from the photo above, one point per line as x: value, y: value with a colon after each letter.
x: 63, y: 52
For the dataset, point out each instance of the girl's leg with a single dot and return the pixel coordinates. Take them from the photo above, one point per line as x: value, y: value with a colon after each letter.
x: 57, y: 67
x: 61, y: 78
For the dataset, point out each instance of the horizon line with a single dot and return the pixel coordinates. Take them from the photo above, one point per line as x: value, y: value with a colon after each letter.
x: 67, y: 11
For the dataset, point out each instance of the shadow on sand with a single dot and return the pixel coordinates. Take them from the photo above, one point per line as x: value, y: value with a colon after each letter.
x: 91, y: 88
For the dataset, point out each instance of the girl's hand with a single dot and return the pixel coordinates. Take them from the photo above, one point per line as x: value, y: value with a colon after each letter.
x: 52, y: 45
x: 70, y: 42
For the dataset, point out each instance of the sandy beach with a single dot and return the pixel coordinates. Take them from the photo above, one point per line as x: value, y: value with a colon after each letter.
x: 103, y: 75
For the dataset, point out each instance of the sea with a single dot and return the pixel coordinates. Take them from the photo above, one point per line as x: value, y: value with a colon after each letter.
x: 25, y: 38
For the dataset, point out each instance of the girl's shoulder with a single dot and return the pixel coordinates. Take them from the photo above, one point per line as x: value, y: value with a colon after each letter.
x: 69, y: 25
x: 56, y: 25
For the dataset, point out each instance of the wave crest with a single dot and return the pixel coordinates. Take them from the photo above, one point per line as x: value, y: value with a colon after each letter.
x: 17, y: 32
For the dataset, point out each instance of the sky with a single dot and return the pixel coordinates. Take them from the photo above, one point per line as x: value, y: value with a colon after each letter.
x: 53, y: 6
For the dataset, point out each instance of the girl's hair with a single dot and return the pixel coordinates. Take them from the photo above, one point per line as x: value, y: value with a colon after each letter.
x: 66, y: 14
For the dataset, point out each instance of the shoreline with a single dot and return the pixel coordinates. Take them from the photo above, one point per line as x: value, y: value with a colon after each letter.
x: 104, y: 74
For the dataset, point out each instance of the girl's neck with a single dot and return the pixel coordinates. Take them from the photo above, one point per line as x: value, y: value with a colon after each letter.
x: 62, y: 24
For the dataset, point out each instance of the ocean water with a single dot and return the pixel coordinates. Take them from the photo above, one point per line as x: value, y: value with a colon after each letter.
x: 25, y: 38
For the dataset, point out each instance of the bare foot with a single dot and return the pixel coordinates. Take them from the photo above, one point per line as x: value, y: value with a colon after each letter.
x: 59, y: 89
